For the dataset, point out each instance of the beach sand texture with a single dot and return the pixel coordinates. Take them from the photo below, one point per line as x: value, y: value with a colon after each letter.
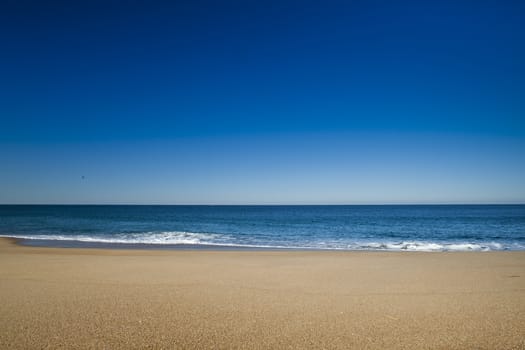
x: 123, y: 299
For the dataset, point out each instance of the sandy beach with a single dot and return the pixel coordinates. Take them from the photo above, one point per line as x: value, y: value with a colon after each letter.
x: 122, y: 299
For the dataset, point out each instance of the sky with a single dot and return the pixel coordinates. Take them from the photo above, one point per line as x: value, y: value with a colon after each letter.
x: 267, y: 102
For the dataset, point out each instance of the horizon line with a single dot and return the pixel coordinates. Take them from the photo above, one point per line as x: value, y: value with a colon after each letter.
x: 259, y: 204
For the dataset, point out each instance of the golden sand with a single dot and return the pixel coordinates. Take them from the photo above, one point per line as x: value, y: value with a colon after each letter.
x: 124, y: 299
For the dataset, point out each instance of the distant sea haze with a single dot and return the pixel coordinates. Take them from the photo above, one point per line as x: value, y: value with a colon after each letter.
x: 352, y: 227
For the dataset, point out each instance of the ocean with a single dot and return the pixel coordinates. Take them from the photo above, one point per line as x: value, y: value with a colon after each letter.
x: 339, y: 227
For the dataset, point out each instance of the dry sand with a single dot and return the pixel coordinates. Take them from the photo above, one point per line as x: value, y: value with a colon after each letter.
x: 89, y: 298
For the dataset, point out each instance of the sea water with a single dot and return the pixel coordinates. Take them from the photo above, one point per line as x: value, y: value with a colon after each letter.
x: 345, y: 227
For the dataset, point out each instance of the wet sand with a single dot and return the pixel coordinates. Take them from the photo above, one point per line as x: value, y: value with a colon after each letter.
x: 122, y: 299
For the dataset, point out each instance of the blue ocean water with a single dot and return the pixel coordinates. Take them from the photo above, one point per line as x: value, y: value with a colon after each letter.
x: 352, y: 227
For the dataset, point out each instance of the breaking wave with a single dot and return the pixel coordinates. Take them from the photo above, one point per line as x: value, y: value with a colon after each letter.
x: 169, y: 237
x: 179, y: 238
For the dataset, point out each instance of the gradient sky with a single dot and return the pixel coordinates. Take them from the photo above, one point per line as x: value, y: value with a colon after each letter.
x: 285, y: 102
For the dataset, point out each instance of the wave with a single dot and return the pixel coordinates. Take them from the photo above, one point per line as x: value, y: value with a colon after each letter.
x: 434, y: 246
x: 168, y: 237
x: 178, y: 238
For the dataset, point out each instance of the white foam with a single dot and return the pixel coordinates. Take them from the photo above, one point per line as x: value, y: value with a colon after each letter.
x: 213, y: 239
x: 168, y: 237
x: 434, y: 246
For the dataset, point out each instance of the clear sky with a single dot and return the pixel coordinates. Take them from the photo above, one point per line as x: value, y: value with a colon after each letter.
x: 262, y: 102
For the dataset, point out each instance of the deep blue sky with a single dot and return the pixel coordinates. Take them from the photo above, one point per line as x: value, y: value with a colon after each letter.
x: 262, y: 102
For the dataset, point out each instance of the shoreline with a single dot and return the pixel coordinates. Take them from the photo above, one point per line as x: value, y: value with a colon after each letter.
x: 79, y: 244
x: 193, y: 299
